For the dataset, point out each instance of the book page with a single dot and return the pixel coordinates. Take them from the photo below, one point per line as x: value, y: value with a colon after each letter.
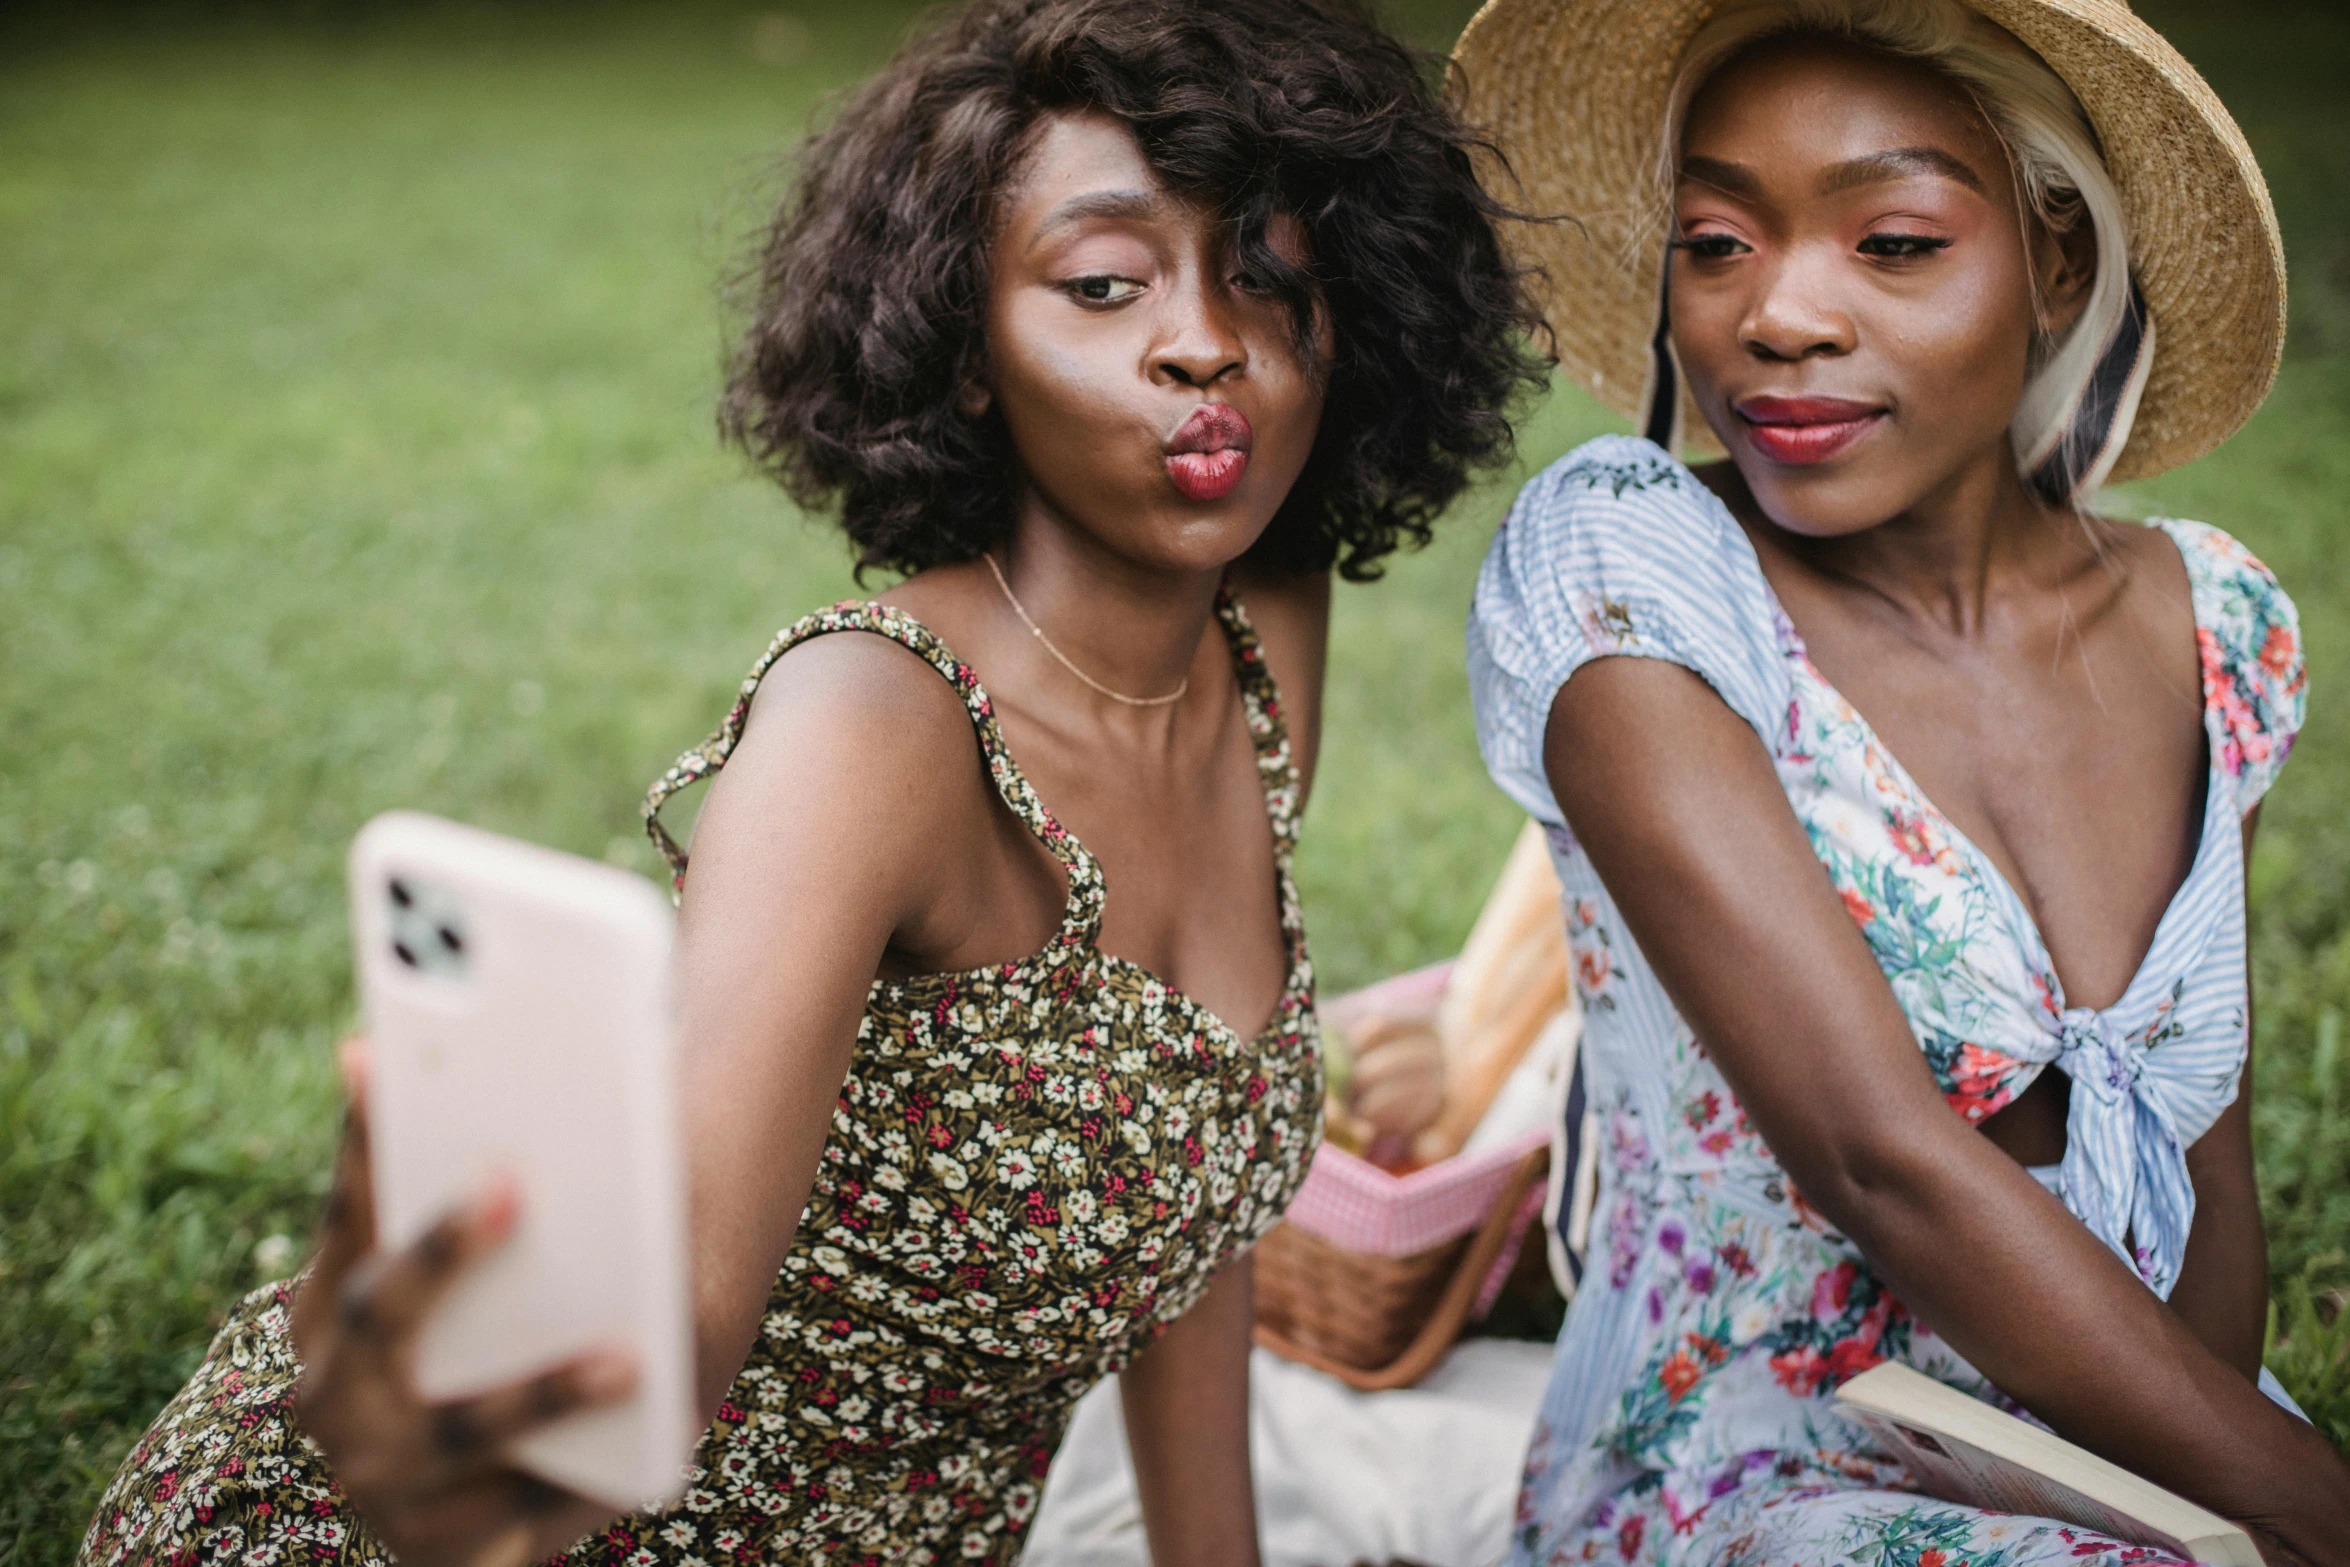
x: 1956, y: 1471
x: 1964, y: 1450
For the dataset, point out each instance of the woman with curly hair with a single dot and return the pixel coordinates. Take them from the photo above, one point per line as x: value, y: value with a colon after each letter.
x: 1115, y: 327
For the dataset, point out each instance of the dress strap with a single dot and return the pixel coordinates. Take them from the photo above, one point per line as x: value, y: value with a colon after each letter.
x: 1268, y: 730
x: 1081, y: 920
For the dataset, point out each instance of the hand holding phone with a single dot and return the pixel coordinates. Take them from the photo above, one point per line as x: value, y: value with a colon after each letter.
x: 429, y: 1476
x: 497, y: 1336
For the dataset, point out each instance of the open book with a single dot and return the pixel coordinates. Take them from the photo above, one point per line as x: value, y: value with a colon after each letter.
x: 1963, y: 1450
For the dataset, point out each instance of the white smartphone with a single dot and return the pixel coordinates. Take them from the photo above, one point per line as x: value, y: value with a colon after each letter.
x: 518, y: 1015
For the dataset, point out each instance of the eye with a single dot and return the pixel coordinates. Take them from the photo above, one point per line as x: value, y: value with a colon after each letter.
x: 1902, y: 247
x: 1102, y: 289
x: 1711, y: 247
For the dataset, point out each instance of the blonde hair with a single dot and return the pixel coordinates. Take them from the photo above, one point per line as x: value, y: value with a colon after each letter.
x: 2081, y: 394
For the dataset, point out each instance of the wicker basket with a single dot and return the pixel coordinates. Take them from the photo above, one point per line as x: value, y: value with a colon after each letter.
x: 1373, y: 1274
x: 1377, y: 1322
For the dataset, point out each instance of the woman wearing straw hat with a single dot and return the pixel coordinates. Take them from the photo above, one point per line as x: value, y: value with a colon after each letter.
x: 1931, y: 273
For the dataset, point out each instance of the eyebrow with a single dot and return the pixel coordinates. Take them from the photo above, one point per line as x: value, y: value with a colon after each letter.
x: 1735, y: 179
x: 1112, y: 204
x: 1899, y: 163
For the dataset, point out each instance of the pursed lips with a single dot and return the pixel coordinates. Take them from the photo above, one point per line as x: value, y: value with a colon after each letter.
x: 1209, y: 453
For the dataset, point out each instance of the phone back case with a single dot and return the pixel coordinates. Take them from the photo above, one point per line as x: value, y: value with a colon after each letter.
x: 519, y: 1016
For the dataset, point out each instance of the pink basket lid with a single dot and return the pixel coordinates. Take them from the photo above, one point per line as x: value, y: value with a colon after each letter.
x: 1351, y: 1202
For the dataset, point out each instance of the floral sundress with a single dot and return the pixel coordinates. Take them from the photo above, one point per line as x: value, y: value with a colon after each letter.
x: 1033, y: 1169
x: 1690, y: 1417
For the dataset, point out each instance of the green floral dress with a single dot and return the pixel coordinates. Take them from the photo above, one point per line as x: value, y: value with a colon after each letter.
x: 1033, y: 1169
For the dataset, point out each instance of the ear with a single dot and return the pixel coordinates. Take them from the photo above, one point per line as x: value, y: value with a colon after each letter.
x: 975, y: 398
x: 2065, y: 267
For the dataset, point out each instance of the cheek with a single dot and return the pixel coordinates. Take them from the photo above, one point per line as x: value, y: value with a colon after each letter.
x: 1287, y: 389
x: 1291, y: 395
x: 1045, y: 367
x: 1963, y: 344
x: 1705, y: 323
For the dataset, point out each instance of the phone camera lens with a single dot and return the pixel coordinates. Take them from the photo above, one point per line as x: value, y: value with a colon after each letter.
x: 404, y: 953
x: 401, y: 896
x: 450, y: 939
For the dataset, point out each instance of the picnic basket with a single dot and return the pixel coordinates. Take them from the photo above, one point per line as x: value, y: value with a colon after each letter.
x: 1378, y: 1319
x: 1389, y: 1252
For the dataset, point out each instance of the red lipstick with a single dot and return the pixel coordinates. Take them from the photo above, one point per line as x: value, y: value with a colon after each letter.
x: 1801, y: 431
x: 1209, y: 453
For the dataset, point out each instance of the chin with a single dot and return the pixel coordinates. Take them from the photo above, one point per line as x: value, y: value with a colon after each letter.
x: 1195, y: 538
x: 1850, y: 493
x: 1818, y: 505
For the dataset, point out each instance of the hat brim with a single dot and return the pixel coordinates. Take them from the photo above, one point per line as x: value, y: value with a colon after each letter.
x: 1574, y: 94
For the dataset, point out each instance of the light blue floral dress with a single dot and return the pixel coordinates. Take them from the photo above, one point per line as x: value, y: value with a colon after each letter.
x: 1690, y: 1417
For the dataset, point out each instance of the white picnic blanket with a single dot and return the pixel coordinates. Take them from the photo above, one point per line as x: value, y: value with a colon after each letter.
x: 1425, y: 1474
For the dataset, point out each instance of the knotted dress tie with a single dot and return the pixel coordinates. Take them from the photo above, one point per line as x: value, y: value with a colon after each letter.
x: 2152, y: 1072
x: 2125, y: 1166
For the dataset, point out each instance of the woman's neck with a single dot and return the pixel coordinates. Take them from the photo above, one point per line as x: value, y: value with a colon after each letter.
x: 1944, y: 558
x: 1132, y: 627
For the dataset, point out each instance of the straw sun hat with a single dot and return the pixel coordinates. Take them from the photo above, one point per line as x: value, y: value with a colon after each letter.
x: 1574, y: 92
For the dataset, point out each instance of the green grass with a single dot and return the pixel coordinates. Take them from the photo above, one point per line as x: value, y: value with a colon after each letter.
x: 355, y: 451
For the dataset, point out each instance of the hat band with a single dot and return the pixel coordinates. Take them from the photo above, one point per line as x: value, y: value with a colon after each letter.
x: 2100, y: 426
x: 1662, y: 422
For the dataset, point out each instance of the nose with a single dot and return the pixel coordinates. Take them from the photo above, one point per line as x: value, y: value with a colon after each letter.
x: 1199, y: 342
x: 1793, y: 316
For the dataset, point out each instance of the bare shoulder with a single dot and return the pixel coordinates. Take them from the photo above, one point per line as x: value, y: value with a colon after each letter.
x: 855, y: 751
x: 2143, y: 547
x: 2150, y: 570
x: 853, y: 704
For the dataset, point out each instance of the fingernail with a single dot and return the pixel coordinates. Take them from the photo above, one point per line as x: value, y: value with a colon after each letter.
x: 499, y: 1203
x: 607, y: 1374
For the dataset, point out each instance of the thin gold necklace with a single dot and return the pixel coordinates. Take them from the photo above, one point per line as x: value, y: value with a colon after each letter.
x: 1013, y: 599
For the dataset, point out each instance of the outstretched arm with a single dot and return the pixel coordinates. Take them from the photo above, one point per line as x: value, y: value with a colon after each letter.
x: 832, y: 830
x: 1674, y: 798
x: 820, y: 844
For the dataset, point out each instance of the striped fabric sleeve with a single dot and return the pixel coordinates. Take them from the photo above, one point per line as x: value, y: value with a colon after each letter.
x: 1616, y: 550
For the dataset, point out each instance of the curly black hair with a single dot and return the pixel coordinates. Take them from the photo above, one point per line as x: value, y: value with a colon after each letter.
x: 871, y: 284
